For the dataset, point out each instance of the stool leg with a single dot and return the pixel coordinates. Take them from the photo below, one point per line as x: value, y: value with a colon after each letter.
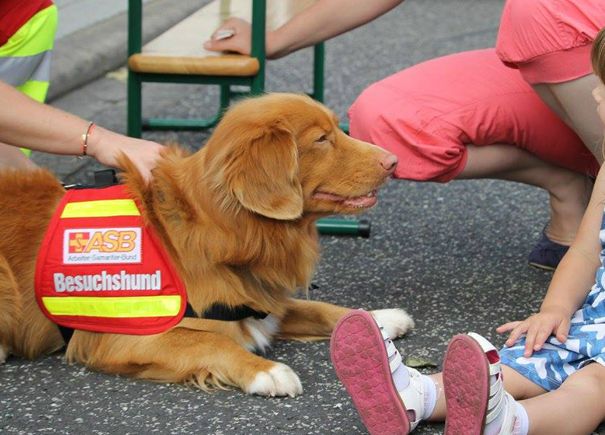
x: 134, y: 105
x: 225, y: 98
x: 318, y: 72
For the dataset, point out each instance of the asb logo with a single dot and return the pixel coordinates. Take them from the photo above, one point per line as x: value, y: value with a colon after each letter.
x: 102, y: 245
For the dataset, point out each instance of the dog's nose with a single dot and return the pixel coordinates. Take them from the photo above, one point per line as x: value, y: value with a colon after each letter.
x: 389, y: 162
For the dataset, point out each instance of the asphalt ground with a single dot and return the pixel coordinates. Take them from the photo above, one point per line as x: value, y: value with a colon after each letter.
x: 453, y: 255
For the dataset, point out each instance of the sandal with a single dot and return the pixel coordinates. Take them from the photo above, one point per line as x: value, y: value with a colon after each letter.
x: 364, y: 358
x: 471, y: 363
x: 547, y: 254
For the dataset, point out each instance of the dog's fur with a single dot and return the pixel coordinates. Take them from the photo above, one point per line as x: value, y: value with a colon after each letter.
x: 238, y: 219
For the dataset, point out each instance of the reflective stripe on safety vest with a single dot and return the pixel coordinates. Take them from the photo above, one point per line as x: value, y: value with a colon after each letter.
x: 100, y: 208
x: 101, y: 269
x: 19, y: 70
x: 141, y: 306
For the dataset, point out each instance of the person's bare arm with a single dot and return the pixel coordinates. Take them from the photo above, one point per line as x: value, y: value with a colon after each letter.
x: 321, y: 21
x: 25, y: 122
x: 571, y: 282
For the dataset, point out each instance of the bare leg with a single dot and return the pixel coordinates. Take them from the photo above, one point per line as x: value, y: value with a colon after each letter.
x: 577, y: 407
x: 569, y: 191
x: 517, y: 385
x: 12, y: 157
x: 574, y: 104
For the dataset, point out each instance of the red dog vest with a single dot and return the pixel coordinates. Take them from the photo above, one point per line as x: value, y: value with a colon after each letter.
x: 100, y: 268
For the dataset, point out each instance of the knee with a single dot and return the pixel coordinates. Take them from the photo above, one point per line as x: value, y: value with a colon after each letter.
x: 518, y: 385
x: 589, y: 380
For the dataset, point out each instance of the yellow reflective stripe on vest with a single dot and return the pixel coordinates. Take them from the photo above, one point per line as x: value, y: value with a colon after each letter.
x: 34, y: 37
x: 119, y: 307
x: 101, y: 208
x: 35, y: 89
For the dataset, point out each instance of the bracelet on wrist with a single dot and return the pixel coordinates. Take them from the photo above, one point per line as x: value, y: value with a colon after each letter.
x: 86, y: 138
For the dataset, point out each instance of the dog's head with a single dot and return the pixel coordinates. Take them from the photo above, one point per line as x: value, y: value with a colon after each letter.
x: 283, y: 155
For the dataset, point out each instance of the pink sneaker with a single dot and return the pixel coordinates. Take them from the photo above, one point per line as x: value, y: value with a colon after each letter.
x: 474, y: 391
x: 364, y: 358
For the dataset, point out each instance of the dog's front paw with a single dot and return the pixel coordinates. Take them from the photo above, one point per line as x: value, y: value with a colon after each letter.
x: 396, y: 322
x: 278, y: 381
x: 3, y: 355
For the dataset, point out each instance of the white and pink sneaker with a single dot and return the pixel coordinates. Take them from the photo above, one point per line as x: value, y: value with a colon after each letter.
x: 476, y: 401
x: 365, y: 361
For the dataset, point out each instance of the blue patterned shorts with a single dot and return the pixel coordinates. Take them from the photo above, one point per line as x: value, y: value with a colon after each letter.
x: 556, y: 361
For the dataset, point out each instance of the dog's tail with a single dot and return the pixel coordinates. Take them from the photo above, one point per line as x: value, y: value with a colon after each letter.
x: 11, y: 307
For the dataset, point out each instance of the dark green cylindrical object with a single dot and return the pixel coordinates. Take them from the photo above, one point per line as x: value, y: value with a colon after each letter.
x: 339, y: 227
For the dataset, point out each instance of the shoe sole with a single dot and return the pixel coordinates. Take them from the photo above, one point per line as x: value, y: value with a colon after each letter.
x: 359, y: 357
x: 466, y: 385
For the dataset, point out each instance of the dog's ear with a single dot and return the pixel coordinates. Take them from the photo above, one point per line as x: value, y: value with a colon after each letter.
x: 264, y: 172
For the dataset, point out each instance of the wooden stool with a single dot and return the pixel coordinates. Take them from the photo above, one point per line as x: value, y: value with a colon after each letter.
x: 177, y: 56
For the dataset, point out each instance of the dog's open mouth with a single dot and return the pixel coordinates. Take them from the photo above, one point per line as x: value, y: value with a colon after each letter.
x: 363, y: 201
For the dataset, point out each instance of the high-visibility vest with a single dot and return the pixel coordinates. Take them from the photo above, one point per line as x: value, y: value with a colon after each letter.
x: 100, y: 268
x: 26, y: 56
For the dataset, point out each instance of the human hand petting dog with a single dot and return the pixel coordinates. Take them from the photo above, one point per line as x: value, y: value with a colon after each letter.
x: 26, y: 122
x: 107, y: 146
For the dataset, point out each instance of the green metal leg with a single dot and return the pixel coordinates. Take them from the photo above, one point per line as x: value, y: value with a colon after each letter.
x: 225, y: 97
x: 134, y: 109
x: 340, y: 227
x: 191, y: 124
x: 318, y: 72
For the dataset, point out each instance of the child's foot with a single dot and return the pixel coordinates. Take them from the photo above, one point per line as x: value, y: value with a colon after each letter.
x: 475, y: 398
x: 371, y: 370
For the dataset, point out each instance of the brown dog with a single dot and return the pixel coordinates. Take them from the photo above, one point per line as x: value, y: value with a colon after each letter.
x: 238, y: 220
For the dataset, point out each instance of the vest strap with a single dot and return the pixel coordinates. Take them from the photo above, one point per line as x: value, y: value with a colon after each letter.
x: 66, y: 333
x: 223, y: 312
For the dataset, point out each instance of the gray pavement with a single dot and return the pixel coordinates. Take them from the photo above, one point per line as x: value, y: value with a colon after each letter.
x: 91, y: 37
x: 454, y: 255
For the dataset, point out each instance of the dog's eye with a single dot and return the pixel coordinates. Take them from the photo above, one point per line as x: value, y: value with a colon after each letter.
x: 322, y: 138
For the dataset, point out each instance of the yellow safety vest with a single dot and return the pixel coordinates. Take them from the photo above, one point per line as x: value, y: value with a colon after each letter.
x: 26, y: 56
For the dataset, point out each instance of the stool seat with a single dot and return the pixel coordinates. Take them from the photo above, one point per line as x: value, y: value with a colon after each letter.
x: 231, y: 65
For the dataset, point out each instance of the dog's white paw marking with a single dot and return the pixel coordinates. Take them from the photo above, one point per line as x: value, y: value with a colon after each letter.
x: 3, y: 355
x: 396, y: 322
x: 262, y: 332
x: 278, y: 381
